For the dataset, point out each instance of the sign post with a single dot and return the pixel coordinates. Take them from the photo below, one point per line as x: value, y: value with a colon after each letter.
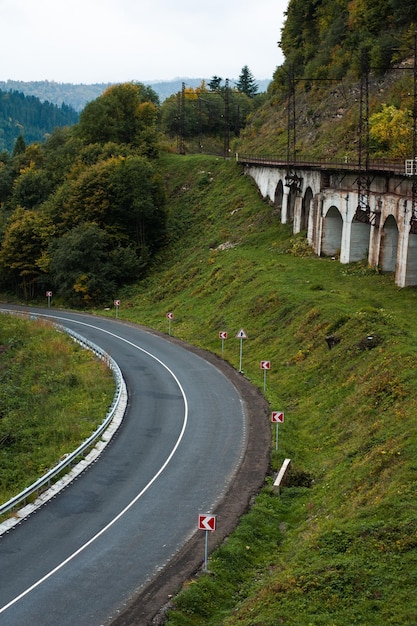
x: 170, y: 316
x: 241, y: 335
x: 117, y: 304
x: 265, y: 365
x: 206, y: 522
x: 222, y: 336
x: 49, y: 296
x: 277, y: 417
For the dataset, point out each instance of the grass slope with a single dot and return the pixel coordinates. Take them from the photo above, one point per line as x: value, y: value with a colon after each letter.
x: 53, y: 394
x: 338, y: 546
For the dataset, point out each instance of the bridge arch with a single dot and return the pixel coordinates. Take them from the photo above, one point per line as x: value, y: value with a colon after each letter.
x: 332, y: 232
x: 325, y: 204
x: 279, y: 196
x: 291, y: 198
x: 360, y: 234
x: 389, y: 245
x: 411, y: 265
x: 305, y: 209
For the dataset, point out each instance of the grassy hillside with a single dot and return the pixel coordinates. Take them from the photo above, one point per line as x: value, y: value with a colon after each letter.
x: 338, y: 545
x: 49, y: 403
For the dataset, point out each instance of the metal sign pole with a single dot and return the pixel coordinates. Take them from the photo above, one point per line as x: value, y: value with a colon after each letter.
x: 206, y: 522
x: 277, y: 418
x: 240, y: 357
x: 206, y: 552
x: 170, y: 316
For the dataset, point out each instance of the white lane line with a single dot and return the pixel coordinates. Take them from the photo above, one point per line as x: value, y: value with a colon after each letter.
x: 139, y: 495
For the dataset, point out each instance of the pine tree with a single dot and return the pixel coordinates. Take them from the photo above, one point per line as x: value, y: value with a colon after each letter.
x: 19, y: 146
x: 215, y: 83
x: 246, y: 83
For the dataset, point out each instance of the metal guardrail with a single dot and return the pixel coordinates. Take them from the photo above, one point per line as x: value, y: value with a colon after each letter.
x: 48, y: 477
x: 376, y: 165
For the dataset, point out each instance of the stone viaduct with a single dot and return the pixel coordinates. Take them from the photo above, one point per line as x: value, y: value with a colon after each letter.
x: 346, y: 213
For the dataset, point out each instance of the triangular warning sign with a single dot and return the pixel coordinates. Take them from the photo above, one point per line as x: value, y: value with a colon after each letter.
x: 241, y: 334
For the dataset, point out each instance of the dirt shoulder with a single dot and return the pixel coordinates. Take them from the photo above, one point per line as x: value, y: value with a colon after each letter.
x: 149, y: 607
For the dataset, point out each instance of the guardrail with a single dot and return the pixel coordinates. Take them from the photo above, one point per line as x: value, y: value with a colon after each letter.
x: 376, y: 165
x: 48, y: 477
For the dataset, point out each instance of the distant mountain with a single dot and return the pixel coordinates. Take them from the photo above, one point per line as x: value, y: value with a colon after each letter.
x: 77, y: 95
x: 28, y: 116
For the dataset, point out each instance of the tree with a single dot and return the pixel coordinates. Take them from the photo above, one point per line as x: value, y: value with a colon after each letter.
x: 214, y: 83
x: 22, y: 247
x: 137, y: 204
x: 390, y: 131
x: 31, y: 188
x: 246, y: 83
x: 19, y: 146
x: 86, y: 267
x: 125, y: 113
x: 121, y: 195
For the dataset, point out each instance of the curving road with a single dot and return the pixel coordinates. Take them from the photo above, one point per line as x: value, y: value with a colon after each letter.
x: 84, y: 557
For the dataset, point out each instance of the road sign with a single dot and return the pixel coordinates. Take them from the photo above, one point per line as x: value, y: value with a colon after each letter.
x: 241, y: 335
x: 49, y: 294
x: 277, y: 417
x: 170, y: 316
x: 265, y: 365
x: 222, y: 335
x: 206, y: 522
x: 117, y: 303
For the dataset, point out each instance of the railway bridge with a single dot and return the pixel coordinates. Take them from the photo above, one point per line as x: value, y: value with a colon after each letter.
x: 347, y: 211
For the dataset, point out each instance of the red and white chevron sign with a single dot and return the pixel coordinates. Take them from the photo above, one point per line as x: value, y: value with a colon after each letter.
x: 265, y: 365
x: 206, y: 522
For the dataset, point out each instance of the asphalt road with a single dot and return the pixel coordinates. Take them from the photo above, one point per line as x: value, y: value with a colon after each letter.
x: 83, y: 558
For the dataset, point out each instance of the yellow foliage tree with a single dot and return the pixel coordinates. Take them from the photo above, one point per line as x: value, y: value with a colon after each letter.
x: 391, y: 132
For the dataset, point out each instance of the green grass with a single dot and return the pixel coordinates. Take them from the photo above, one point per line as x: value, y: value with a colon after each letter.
x: 53, y: 394
x: 338, y: 546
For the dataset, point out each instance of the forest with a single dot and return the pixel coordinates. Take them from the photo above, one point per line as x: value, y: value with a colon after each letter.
x: 324, y: 39
x: 29, y: 117
x: 83, y: 211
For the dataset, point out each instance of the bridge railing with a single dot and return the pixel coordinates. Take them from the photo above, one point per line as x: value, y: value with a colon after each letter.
x: 393, y: 166
x: 49, y: 476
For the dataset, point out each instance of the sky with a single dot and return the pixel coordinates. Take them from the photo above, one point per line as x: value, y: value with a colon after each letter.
x: 100, y: 41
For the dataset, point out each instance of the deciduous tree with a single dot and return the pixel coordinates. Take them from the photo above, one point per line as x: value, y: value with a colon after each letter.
x: 126, y: 114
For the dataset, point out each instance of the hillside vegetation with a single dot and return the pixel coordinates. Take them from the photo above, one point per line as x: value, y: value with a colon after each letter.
x: 339, y: 54
x: 53, y: 394
x: 29, y: 118
x: 338, y: 545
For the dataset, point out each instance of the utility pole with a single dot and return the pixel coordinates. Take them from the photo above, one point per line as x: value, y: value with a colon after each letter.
x: 226, y: 121
x: 413, y: 220
x: 363, y: 211
x: 291, y: 125
x: 181, y: 120
x: 292, y: 180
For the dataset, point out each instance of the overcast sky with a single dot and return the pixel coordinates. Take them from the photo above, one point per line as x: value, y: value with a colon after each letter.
x: 95, y: 41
